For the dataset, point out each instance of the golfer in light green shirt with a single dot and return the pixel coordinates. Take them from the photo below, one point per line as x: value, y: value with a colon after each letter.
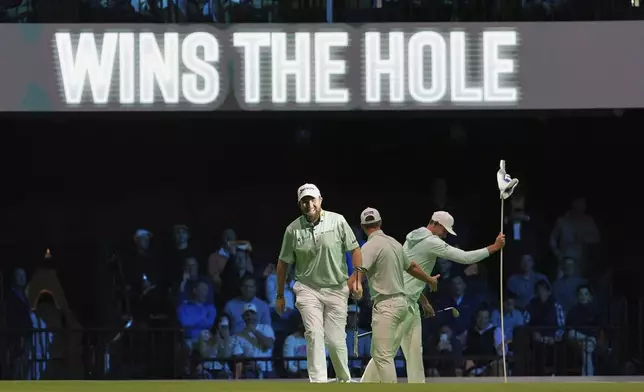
x: 424, y: 246
x: 386, y: 265
x: 316, y: 244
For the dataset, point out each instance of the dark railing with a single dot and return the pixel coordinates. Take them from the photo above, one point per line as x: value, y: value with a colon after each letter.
x: 95, y: 354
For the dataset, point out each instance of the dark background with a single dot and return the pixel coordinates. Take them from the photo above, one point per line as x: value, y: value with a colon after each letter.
x: 82, y: 184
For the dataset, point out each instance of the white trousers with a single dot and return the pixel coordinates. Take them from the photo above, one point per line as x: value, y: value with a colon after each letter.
x: 409, y: 338
x: 324, y: 313
x: 390, y: 317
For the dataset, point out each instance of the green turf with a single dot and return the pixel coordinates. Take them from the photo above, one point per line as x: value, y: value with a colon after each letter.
x: 258, y: 386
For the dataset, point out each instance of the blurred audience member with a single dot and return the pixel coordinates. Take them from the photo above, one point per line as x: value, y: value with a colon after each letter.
x: 486, y: 341
x: 584, y: 321
x: 448, y: 355
x: 196, y: 315
x: 548, y: 319
x: 564, y: 289
x: 256, y: 340
x: 295, y: 347
x: 234, y: 272
x: 574, y: 234
x: 189, y: 278
x: 512, y: 318
x: 235, y: 307
x: 220, y: 344
x: 39, y: 354
x: 522, y: 284
x: 521, y: 233
x: 218, y: 260
x: 460, y: 299
x: 19, y: 318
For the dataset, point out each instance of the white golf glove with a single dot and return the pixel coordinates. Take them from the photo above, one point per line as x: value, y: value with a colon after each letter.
x: 506, y: 183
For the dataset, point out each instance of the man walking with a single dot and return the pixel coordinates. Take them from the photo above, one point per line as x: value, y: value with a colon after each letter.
x: 385, y: 263
x: 316, y: 243
x: 424, y: 245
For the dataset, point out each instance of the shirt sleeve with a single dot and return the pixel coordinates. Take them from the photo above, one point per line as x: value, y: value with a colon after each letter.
x: 287, y: 253
x: 369, y: 255
x: 349, y: 240
x: 445, y: 251
x: 405, y: 260
x: 237, y: 349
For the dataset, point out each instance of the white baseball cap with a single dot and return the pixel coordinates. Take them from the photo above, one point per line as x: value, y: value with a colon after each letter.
x: 249, y: 307
x: 308, y: 190
x: 445, y: 219
x: 369, y: 212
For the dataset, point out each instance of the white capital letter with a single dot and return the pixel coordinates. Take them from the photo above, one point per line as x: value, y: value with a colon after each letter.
x: 164, y: 68
x: 204, y: 68
x: 127, y: 71
x: 493, y: 66
x: 325, y: 67
x: 251, y: 43
x: 416, y: 67
x: 73, y: 69
x: 299, y: 67
x: 460, y: 91
x: 393, y: 67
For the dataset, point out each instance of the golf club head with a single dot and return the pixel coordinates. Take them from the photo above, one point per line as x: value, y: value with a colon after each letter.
x: 455, y: 312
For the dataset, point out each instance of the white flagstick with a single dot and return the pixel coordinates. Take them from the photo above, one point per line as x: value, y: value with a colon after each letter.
x: 506, y: 188
x: 505, y: 365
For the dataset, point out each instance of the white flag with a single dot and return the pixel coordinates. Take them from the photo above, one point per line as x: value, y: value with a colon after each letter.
x: 506, y: 183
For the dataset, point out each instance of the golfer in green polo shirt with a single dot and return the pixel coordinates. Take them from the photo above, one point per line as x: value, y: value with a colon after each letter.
x: 316, y: 244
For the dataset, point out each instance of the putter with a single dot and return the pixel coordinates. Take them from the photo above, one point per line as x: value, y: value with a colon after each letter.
x: 454, y: 311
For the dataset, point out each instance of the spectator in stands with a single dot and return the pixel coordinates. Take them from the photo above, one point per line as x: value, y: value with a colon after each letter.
x: 295, y: 347
x: 189, y: 278
x: 548, y: 318
x: 18, y: 312
x: 182, y: 248
x: 220, y: 344
x: 521, y: 229
x: 234, y: 272
x: 196, y: 315
x: 564, y: 289
x: 39, y: 353
x: 218, y: 260
x: 235, y: 307
x: 522, y: 284
x: 357, y: 366
x: 144, y: 279
x: 486, y: 341
x: 512, y: 318
x: 256, y: 340
x: 574, y: 234
x: 448, y: 355
x: 584, y: 321
x: 464, y: 302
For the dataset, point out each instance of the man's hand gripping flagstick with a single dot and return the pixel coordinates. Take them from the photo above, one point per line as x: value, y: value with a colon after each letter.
x: 507, y: 185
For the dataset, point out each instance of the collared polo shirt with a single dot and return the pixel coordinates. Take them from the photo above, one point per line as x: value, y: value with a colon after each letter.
x: 318, y: 251
x: 385, y: 261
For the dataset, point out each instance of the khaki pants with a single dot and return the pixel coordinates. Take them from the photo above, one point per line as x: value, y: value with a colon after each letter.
x: 324, y: 314
x: 390, y: 317
x: 409, y: 336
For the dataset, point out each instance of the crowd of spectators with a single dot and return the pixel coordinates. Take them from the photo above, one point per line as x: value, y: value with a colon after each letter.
x: 220, y: 301
x: 266, y: 11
